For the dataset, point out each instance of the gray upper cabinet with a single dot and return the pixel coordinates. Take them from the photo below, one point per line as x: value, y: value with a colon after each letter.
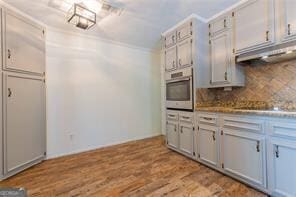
x: 171, y: 58
x: 185, y: 31
x: 224, y: 72
x: 24, y: 44
x: 253, y: 25
x: 219, y: 25
x: 185, y: 53
x: 288, y: 19
x: 24, y: 121
x: 220, y: 59
x: 170, y: 39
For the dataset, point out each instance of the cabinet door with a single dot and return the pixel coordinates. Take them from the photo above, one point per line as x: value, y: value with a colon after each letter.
x: 184, y: 31
x: 290, y: 18
x: 170, y: 39
x: 207, y: 145
x: 283, y: 171
x: 219, y: 25
x: 25, y: 124
x: 244, y: 156
x: 172, y: 134
x: 185, y: 53
x: 24, y: 45
x: 171, y: 58
x: 220, y: 59
x: 186, y: 138
x: 253, y: 25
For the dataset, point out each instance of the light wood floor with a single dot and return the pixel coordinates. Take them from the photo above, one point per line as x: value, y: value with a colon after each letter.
x: 140, y: 168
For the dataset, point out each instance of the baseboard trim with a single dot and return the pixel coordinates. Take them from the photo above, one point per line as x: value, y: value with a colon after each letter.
x: 49, y: 157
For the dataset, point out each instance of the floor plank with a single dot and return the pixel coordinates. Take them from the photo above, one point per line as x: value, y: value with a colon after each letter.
x: 140, y: 168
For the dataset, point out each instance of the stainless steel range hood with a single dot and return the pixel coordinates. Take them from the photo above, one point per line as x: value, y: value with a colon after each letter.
x: 269, y: 55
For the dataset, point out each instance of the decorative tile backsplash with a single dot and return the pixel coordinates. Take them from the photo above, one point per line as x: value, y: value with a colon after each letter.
x: 274, y: 84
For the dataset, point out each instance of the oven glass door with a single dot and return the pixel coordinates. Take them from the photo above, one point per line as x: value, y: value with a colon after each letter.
x: 179, y: 94
x: 178, y: 91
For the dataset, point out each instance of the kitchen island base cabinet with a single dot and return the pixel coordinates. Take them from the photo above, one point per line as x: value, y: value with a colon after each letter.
x: 244, y: 156
x: 282, y: 167
x: 207, y: 145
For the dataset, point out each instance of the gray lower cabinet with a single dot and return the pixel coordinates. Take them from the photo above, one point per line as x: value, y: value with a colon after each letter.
x: 186, y: 138
x: 180, y: 132
x: 24, y: 121
x: 243, y: 155
x: 172, y: 134
x: 207, y: 145
x: 282, y: 167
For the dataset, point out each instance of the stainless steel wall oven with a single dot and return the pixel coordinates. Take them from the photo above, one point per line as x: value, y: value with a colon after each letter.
x: 179, y: 89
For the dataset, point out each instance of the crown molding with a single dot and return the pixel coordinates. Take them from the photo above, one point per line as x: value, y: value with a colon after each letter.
x: 226, y: 10
x: 195, y: 16
x: 10, y: 7
x: 99, y: 39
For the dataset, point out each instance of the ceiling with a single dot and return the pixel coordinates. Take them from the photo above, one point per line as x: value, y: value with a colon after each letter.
x: 141, y: 22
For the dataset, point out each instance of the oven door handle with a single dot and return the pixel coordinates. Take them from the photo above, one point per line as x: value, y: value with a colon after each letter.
x: 179, y: 80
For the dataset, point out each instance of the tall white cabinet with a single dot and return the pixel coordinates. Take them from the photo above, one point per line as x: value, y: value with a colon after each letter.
x: 224, y: 72
x: 23, y: 136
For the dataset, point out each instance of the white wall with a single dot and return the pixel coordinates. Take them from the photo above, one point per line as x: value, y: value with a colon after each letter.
x: 99, y: 93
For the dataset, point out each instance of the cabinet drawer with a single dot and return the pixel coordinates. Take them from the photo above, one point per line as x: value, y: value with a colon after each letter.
x: 170, y: 39
x: 187, y: 118
x: 184, y: 31
x: 207, y: 119
x: 244, y: 124
x: 172, y: 116
x: 282, y: 129
x: 219, y: 25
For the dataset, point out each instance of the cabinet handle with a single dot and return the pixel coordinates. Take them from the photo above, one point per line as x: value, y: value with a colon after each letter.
x: 214, y: 136
x: 206, y: 118
x: 267, y: 35
x: 258, y: 146
x: 186, y: 118
x: 172, y: 116
x: 289, y: 29
x: 9, y: 92
x: 180, y: 62
x: 277, y: 152
x: 8, y: 54
x: 225, y: 76
x: 179, y: 34
x: 224, y: 23
x: 181, y: 129
x: 175, y: 128
x: 173, y: 38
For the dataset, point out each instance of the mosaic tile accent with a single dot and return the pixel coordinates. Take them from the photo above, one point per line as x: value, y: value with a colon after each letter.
x: 272, y: 84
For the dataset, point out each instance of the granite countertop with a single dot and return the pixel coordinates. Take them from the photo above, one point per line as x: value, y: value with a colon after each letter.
x: 248, y: 108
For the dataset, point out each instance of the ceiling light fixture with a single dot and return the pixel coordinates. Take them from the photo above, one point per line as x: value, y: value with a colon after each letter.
x: 81, y: 16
